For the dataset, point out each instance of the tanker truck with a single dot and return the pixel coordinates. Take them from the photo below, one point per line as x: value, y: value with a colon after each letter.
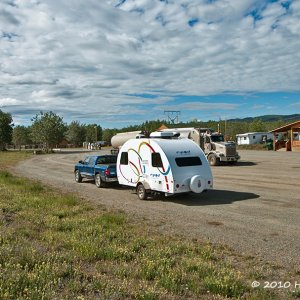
x: 119, y: 139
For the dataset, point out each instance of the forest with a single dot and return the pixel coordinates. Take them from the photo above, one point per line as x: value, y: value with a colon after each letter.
x: 50, y: 129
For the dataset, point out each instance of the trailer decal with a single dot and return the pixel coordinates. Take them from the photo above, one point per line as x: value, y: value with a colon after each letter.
x: 163, y: 172
x: 138, y: 154
x: 138, y: 172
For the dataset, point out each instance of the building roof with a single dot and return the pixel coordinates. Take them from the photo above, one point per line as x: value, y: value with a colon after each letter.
x: 162, y: 127
x: 288, y: 127
x: 247, y: 133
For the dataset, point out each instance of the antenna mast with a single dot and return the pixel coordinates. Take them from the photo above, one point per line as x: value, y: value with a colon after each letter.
x: 172, y: 115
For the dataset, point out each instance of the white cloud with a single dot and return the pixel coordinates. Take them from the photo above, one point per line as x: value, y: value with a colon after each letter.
x: 259, y: 106
x: 91, y: 54
x: 296, y: 105
x: 8, y: 102
x: 193, y: 106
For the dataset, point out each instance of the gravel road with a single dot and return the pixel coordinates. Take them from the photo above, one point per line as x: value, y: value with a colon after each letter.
x: 254, y: 207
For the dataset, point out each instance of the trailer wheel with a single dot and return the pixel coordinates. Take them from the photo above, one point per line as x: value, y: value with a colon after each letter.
x: 141, y: 192
x: 213, y: 160
x: 78, y: 177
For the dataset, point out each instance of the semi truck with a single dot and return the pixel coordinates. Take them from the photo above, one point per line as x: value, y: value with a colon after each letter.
x: 212, y: 143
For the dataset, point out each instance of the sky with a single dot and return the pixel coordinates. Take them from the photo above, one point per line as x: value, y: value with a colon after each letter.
x: 122, y: 62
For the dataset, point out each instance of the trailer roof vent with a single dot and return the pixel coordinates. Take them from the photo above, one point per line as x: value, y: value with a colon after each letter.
x: 164, y: 135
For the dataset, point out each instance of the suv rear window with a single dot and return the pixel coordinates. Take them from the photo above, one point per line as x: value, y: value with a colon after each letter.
x: 107, y: 160
x: 188, y: 161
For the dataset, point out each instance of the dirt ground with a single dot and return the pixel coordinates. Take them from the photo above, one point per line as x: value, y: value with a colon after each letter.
x: 254, y: 207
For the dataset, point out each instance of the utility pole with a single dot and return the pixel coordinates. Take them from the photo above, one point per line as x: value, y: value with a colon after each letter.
x: 172, y: 115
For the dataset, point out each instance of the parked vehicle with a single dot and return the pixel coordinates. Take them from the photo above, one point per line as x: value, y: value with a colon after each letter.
x: 159, y: 165
x: 212, y: 143
x: 120, y: 138
x: 102, y: 169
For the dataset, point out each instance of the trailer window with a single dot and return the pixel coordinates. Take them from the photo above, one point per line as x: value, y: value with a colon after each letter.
x: 156, y: 160
x: 188, y: 161
x: 124, y: 158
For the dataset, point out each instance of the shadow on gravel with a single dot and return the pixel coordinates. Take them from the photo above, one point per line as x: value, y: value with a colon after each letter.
x: 245, y: 164
x: 238, y: 164
x: 213, y: 197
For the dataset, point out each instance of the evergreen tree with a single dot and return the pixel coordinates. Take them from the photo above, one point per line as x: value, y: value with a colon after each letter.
x: 21, y: 136
x: 6, y: 129
x: 48, y: 129
x: 76, y: 133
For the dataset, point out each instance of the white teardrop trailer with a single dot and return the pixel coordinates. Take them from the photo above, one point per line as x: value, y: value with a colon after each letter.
x: 160, y: 165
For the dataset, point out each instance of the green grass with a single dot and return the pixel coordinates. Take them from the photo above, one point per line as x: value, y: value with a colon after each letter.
x: 56, y: 246
x: 9, y: 159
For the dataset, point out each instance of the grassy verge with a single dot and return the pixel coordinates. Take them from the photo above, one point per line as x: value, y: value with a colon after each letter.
x: 55, y: 246
x: 10, y: 158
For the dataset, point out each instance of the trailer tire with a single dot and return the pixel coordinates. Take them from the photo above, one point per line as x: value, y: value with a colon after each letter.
x: 213, y: 160
x: 141, y: 192
x: 197, y: 184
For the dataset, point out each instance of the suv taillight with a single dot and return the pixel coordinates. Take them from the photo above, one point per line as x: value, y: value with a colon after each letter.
x: 107, y: 172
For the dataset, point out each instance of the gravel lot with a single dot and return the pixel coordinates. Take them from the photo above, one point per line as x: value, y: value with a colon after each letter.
x: 254, y: 208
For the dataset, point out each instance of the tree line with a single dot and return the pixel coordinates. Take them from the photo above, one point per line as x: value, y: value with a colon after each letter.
x: 47, y: 129
x: 50, y: 130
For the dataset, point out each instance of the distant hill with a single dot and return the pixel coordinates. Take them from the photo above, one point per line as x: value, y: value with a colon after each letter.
x: 270, y: 118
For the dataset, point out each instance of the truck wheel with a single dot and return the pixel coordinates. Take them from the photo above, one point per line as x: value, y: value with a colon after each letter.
x: 213, y: 160
x: 78, y: 177
x: 98, y: 181
x: 141, y: 192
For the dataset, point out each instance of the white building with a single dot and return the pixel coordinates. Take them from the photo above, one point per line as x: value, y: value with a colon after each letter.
x: 250, y: 138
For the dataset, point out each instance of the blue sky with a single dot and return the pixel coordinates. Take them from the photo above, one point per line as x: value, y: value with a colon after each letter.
x: 118, y: 63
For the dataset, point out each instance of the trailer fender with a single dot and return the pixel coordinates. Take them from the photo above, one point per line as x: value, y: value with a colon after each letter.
x: 197, y: 184
x: 145, y: 184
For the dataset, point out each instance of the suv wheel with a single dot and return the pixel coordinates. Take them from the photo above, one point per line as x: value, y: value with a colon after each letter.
x: 78, y: 177
x: 98, y: 181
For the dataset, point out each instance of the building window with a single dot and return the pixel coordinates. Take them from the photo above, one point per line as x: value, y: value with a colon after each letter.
x: 245, y: 138
x: 124, y: 158
x: 188, y: 161
x: 156, y: 160
x: 254, y: 137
